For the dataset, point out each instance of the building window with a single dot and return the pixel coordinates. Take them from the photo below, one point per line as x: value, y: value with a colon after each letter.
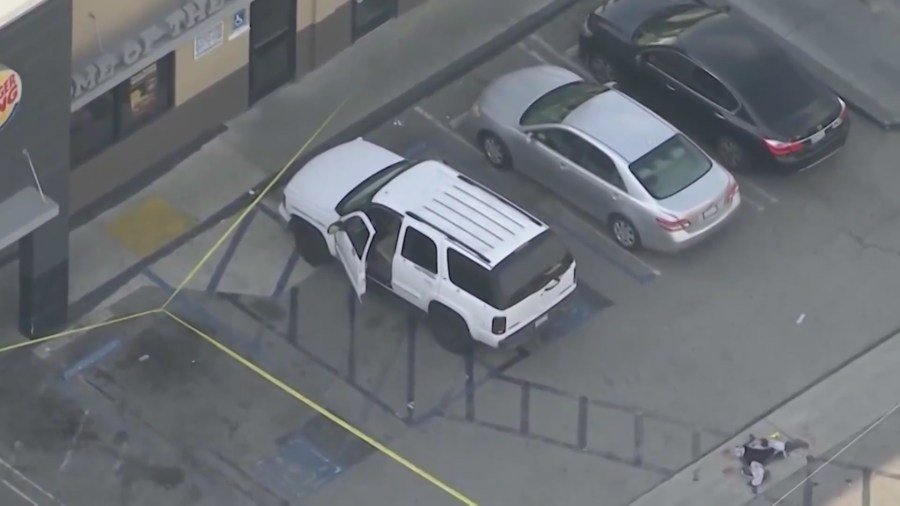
x: 122, y: 110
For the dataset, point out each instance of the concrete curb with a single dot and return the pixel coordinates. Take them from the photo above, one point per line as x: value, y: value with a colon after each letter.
x: 826, y: 413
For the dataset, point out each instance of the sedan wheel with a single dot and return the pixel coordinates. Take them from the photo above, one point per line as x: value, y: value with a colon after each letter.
x: 495, y: 150
x: 624, y: 232
x: 731, y: 153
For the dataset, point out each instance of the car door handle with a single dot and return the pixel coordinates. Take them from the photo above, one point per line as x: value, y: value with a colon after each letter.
x: 613, y: 196
x: 719, y: 115
x: 670, y: 87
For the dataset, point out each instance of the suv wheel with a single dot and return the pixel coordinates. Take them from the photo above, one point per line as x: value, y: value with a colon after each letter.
x: 450, y: 330
x: 624, y: 232
x: 495, y: 150
x: 309, y: 242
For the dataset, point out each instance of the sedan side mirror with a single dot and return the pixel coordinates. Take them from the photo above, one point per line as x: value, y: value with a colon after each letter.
x: 335, y: 227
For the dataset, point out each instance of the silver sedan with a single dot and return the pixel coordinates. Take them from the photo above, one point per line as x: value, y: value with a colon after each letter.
x: 607, y: 154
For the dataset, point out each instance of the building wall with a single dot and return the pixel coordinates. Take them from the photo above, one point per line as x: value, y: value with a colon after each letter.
x: 37, y: 46
x: 208, y: 91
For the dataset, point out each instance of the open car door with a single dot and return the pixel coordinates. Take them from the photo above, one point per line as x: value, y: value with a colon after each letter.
x: 353, y: 237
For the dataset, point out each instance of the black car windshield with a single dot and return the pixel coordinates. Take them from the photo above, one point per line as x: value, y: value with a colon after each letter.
x: 671, y: 167
x: 556, y: 104
x: 529, y: 269
x: 362, y: 195
x: 665, y: 27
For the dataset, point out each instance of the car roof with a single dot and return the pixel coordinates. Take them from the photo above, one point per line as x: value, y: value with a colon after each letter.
x: 482, y: 223
x: 735, y: 52
x: 618, y: 121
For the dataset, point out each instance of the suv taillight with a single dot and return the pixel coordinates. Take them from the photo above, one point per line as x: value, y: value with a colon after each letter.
x: 498, y: 325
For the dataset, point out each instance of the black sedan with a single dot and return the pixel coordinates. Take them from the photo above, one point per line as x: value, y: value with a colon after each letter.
x: 755, y: 103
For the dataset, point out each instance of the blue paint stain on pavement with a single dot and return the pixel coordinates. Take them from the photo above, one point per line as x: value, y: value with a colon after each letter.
x: 297, y: 470
x: 91, y: 359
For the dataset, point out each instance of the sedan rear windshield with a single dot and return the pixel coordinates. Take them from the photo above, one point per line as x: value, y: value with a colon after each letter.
x: 671, y: 167
x: 529, y: 269
x: 555, y: 105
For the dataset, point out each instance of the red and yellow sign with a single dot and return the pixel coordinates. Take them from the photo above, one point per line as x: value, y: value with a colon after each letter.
x: 10, y: 94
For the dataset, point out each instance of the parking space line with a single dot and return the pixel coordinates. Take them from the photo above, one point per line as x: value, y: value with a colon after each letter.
x: 446, y: 128
x: 18, y: 492
x: 759, y: 207
x: 569, y: 62
x: 292, y: 392
x: 572, y: 52
x: 27, y: 480
x: 745, y: 181
x: 534, y: 54
x: 456, y: 121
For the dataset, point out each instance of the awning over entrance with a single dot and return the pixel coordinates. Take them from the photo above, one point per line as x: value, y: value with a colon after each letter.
x: 22, y: 213
x: 11, y: 10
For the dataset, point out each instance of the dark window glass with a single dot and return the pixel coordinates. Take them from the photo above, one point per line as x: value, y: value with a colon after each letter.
x: 356, y: 230
x: 530, y: 268
x: 667, y: 26
x: 361, y: 196
x: 144, y: 96
x: 93, y: 128
x: 563, y: 142
x: 705, y: 84
x: 420, y: 250
x: 469, y: 276
x: 119, y: 112
x: 673, y: 64
x: 599, y: 164
x: 269, y: 19
x: 556, y: 104
x: 671, y: 167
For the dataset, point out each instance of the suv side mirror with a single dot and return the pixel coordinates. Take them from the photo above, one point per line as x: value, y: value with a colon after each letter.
x: 335, y: 227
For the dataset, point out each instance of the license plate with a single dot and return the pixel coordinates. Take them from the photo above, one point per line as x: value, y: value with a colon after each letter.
x: 709, y: 213
x: 818, y: 136
x: 541, y: 320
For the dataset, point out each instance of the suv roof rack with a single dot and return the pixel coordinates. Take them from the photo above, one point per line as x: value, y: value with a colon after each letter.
x: 503, y: 199
x: 450, y: 236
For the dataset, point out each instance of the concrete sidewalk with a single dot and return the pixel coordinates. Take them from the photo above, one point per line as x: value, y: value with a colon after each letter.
x: 852, y: 44
x: 400, y: 63
x: 826, y: 415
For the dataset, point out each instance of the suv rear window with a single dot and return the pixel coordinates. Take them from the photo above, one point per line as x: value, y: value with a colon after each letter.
x: 556, y: 104
x: 529, y: 268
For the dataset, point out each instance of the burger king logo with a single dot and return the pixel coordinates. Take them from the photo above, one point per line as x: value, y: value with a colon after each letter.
x: 10, y: 94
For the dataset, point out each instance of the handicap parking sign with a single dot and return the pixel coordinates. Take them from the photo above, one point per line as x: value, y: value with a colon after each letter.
x: 239, y: 19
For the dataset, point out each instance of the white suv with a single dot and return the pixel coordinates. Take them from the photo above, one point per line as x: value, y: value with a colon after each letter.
x: 481, y: 268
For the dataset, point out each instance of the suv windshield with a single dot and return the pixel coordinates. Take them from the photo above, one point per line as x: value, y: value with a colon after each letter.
x: 362, y: 195
x: 670, y: 167
x: 556, y: 104
x: 666, y: 27
x: 529, y: 269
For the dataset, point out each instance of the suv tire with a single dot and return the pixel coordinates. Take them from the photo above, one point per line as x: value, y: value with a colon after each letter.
x: 495, y: 150
x: 449, y: 329
x: 309, y: 242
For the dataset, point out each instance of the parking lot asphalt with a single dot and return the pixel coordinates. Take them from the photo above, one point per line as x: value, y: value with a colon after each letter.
x: 661, y: 358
